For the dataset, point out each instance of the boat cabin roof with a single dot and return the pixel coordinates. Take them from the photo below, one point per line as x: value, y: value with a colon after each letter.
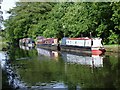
x: 84, y: 38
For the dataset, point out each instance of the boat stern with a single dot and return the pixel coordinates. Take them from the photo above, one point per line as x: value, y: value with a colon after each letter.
x: 98, y: 50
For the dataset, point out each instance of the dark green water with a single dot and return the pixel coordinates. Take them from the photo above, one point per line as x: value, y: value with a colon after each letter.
x: 39, y: 69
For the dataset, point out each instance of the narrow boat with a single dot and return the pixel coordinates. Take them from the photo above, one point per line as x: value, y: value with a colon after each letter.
x: 27, y: 42
x: 47, y: 43
x: 84, y: 45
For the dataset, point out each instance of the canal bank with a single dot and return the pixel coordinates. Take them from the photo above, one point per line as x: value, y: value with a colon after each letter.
x: 5, y: 84
x: 112, y: 48
x: 4, y: 79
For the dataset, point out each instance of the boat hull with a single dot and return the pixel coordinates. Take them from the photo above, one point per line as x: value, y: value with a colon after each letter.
x: 98, y: 50
x: 48, y: 46
x: 79, y: 49
x: 70, y: 48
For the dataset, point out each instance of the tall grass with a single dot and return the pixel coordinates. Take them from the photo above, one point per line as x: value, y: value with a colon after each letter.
x: 114, y: 45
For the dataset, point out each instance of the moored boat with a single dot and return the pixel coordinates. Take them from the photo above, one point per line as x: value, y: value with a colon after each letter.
x: 27, y: 42
x: 84, y: 45
x: 47, y: 43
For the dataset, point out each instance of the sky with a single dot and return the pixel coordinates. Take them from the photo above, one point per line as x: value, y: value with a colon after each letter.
x: 6, y: 5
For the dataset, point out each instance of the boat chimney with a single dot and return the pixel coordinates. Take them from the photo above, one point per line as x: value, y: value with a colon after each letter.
x: 90, y: 35
x: 81, y: 35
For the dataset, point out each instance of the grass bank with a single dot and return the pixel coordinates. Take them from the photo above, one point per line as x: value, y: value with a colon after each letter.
x: 112, y: 48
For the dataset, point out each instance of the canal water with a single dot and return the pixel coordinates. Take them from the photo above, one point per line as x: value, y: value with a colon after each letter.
x: 25, y: 68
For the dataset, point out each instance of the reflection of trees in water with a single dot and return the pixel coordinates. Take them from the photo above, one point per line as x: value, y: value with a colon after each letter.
x: 108, y: 77
x: 16, y: 53
x: 117, y: 68
x: 111, y: 66
x: 73, y: 75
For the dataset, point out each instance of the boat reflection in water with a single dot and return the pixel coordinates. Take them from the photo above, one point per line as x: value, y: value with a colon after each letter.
x: 25, y: 47
x: 16, y: 83
x: 78, y: 58
x: 83, y: 59
x: 72, y: 71
x: 48, y: 53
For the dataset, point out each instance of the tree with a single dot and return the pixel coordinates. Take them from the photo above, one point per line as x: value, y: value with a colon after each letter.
x: 24, y: 17
x: 64, y: 19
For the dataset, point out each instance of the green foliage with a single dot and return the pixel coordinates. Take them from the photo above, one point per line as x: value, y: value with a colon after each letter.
x: 116, y: 14
x: 64, y: 19
x: 113, y: 38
